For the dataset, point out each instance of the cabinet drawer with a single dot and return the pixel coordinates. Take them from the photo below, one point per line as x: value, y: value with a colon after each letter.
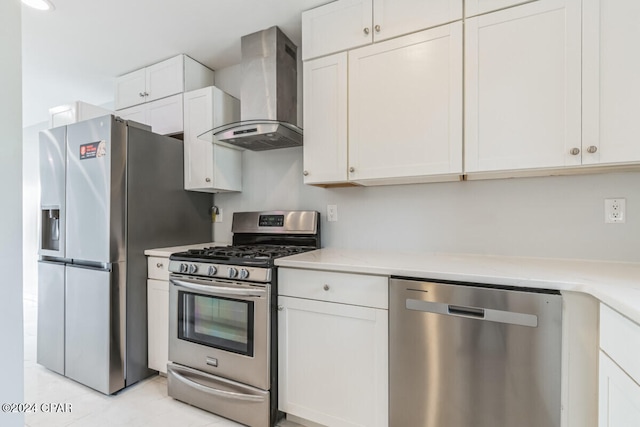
x: 347, y: 288
x: 620, y: 339
x: 158, y: 268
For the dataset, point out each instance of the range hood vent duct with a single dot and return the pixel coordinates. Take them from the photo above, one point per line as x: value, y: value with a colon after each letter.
x: 268, y: 95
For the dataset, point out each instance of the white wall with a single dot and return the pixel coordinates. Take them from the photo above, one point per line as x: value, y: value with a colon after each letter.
x: 11, y: 329
x: 540, y: 217
x: 30, y: 207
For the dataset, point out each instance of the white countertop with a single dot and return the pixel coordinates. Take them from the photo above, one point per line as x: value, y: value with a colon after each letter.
x: 166, y: 252
x: 614, y: 283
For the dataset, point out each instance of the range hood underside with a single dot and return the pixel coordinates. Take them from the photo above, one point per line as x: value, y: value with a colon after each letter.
x: 257, y: 135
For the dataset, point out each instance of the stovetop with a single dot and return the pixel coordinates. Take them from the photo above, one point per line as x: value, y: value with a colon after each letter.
x: 254, y: 255
x: 258, y: 239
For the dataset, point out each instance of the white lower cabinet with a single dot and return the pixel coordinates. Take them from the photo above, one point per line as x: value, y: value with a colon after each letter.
x: 619, y: 370
x: 158, y: 318
x: 333, y: 357
x: 158, y: 313
x: 619, y: 396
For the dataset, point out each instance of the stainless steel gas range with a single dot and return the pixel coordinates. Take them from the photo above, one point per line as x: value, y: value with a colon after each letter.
x: 222, y: 324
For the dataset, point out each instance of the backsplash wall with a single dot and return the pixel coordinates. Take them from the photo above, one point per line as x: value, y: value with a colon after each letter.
x: 559, y: 217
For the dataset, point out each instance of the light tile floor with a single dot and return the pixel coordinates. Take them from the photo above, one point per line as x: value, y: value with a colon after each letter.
x: 143, y: 404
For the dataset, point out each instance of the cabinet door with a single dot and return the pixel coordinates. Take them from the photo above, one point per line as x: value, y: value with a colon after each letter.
x: 619, y: 396
x: 165, y: 78
x: 333, y: 362
x: 476, y: 7
x: 130, y: 89
x: 325, y: 120
x: 337, y: 26
x: 405, y: 106
x: 158, y: 324
x: 165, y: 115
x: 392, y: 18
x: 198, y: 154
x: 522, y: 86
x: 137, y: 113
x: 209, y: 167
x: 611, y: 66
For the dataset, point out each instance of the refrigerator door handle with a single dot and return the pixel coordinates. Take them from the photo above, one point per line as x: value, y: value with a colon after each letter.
x: 91, y: 265
x: 500, y: 316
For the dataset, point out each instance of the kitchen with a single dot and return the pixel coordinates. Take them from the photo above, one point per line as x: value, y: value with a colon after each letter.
x: 554, y: 217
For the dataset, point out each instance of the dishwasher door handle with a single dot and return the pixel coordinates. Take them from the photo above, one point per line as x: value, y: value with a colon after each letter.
x: 500, y: 316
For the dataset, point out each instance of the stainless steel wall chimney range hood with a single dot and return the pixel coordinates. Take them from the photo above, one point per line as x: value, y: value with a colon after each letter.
x: 268, y: 95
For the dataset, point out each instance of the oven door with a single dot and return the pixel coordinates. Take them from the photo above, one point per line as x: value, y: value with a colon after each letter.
x: 221, y: 327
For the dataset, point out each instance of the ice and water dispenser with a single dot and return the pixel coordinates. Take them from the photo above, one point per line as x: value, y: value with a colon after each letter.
x: 50, y: 221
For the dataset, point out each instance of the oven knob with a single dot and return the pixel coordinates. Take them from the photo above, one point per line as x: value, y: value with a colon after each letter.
x: 212, y: 270
x: 193, y: 268
x: 244, y: 273
x: 184, y: 268
x: 232, y: 272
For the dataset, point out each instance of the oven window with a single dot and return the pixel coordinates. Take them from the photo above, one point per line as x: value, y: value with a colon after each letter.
x: 217, y: 322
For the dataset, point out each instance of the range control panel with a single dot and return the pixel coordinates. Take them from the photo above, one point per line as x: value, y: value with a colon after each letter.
x: 223, y: 271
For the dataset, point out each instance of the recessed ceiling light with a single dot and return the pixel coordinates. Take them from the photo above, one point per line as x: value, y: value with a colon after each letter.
x: 39, y: 4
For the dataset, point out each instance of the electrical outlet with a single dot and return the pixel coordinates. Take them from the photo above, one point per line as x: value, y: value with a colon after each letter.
x: 615, y: 210
x: 332, y: 213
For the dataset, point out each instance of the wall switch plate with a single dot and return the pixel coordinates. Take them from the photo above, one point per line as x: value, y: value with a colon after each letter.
x: 332, y: 213
x: 615, y: 210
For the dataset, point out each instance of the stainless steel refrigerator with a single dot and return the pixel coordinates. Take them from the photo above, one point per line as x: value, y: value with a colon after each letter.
x: 109, y: 190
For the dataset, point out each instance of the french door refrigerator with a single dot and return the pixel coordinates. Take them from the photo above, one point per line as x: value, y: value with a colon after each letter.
x: 109, y: 190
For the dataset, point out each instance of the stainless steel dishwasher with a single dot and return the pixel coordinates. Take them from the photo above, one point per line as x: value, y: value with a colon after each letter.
x: 473, y: 355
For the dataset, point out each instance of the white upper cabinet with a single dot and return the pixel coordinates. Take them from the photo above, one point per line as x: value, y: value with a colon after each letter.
x: 611, y: 82
x: 405, y: 108
x: 477, y: 7
x: 130, y: 89
x: 387, y: 113
x: 347, y: 24
x: 210, y: 167
x: 163, y: 115
x: 166, y: 78
x: 523, y: 87
x: 325, y: 119
x: 393, y: 18
x: 336, y: 26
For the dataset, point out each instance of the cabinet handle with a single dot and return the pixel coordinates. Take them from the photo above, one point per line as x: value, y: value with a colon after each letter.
x: 159, y: 265
x: 305, y: 173
x: 592, y: 149
x: 366, y: 30
x: 574, y: 151
x: 280, y: 307
x: 377, y: 27
x: 352, y: 169
x: 141, y: 94
x: 207, y: 179
x: 326, y: 287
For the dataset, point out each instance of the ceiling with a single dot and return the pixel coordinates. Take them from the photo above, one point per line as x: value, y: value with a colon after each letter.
x: 76, y: 51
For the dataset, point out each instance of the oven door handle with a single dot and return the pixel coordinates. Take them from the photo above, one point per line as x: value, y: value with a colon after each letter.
x: 215, y: 392
x: 219, y: 290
